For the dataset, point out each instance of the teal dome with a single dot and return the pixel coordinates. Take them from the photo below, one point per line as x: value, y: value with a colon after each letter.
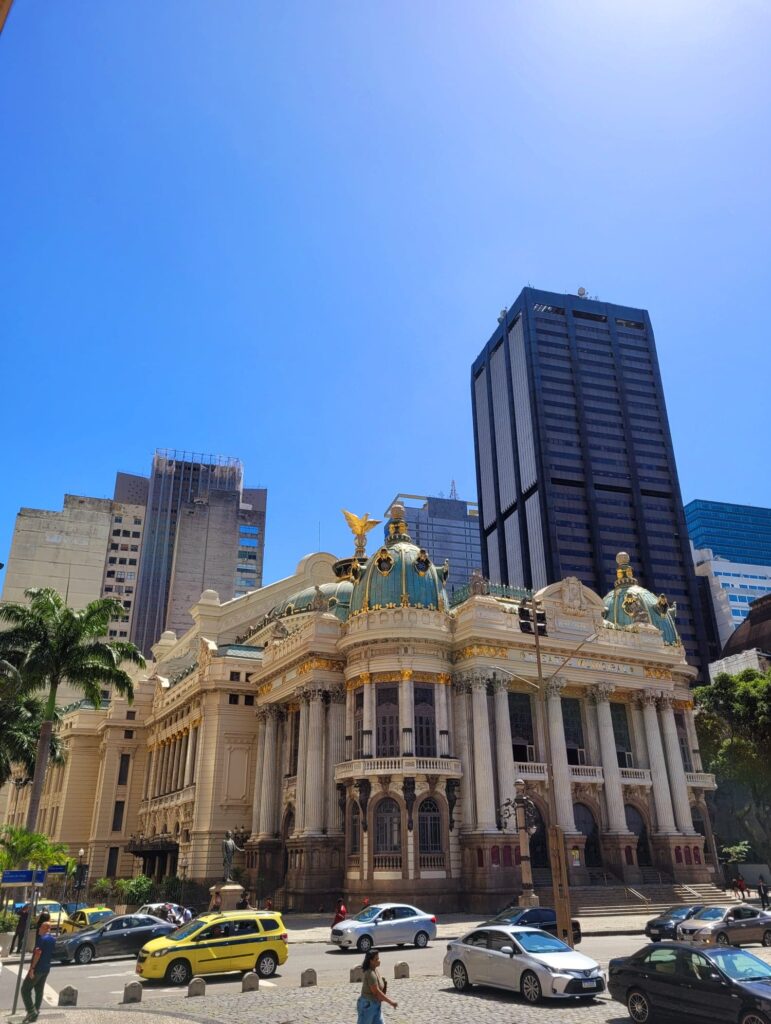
x: 629, y: 604
x: 333, y: 597
x: 399, y: 575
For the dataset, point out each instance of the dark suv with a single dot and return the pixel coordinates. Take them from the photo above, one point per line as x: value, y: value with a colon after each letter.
x: 535, y: 917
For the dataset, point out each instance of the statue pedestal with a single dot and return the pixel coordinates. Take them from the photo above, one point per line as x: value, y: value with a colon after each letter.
x: 230, y: 893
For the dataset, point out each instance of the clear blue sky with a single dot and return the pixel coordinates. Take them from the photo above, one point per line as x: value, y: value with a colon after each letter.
x: 283, y: 231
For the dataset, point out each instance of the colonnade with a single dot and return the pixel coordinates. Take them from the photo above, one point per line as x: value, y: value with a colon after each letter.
x: 172, y: 764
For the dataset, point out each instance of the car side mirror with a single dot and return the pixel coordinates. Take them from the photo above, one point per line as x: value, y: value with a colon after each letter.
x: 508, y: 949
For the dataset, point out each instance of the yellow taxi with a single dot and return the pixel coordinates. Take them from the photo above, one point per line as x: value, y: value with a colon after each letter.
x: 58, y: 914
x: 85, y: 918
x: 239, y: 940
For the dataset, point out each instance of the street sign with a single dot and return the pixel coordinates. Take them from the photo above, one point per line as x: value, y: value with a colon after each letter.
x: 17, y: 878
x: 57, y: 869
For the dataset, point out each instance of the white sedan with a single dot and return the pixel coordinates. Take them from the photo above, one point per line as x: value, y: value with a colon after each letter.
x: 387, y: 924
x: 524, y: 960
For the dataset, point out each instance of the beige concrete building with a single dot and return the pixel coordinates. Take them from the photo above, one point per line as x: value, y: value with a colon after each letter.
x: 365, y: 735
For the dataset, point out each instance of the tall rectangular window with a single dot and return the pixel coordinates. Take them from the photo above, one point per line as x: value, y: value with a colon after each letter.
x: 425, y: 722
x: 521, y: 720
x: 123, y: 769
x: 574, y: 730
x: 358, y: 723
x: 387, y: 721
x: 112, y: 861
x: 117, y: 815
x: 622, y: 736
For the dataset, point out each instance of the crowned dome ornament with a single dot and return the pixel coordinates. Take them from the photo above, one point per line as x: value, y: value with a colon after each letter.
x: 630, y: 606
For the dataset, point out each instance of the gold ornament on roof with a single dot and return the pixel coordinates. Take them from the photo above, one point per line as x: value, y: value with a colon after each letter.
x: 360, y: 527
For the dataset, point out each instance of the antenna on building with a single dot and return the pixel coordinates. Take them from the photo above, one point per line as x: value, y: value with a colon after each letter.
x: 582, y: 293
x: 453, y: 491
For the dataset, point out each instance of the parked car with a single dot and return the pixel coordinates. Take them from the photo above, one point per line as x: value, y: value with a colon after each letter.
x: 734, y: 925
x: 725, y: 985
x: 535, y: 917
x: 59, y: 916
x: 386, y: 924
x: 119, y: 936
x: 525, y: 960
x: 155, y: 908
x: 241, y: 940
x: 665, y: 925
x: 85, y: 918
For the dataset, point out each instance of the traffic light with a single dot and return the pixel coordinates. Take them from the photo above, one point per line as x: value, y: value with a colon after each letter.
x: 525, y: 612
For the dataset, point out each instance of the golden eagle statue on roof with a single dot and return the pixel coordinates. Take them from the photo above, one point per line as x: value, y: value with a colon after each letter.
x: 360, y: 527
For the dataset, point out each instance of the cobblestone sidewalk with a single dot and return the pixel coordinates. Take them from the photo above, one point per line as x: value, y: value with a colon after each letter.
x: 420, y: 1000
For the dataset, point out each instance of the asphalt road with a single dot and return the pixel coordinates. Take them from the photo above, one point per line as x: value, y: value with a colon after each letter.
x: 100, y: 984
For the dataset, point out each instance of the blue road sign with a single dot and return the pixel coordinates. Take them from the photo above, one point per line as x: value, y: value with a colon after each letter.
x: 57, y: 869
x: 40, y: 878
x: 17, y: 878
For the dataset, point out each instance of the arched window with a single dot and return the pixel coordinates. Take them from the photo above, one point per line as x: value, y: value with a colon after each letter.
x: 586, y: 823
x: 696, y: 855
x: 636, y: 824
x: 688, y: 858
x: 429, y: 827
x: 678, y: 855
x: 388, y: 827
x: 628, y: 855
x: 480, y: 857
x: 354, y: 844
x: 495, y: 856
x: 507, y: 856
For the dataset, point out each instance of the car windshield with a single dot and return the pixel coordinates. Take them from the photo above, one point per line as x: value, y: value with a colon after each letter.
x: 678, y: 913
x: 741, y: 965
x: 509, y: 915
x: 541, y: 942
x: 367, y: 914
x: 100, y: 915
x: 186, y: 930
x: 710, y: 914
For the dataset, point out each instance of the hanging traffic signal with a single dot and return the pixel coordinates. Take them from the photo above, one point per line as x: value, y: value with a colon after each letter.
x: 540, y: 621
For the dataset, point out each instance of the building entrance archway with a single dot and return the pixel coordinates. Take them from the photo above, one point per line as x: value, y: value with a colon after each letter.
x: 636, y: 824
x: 587, y: 825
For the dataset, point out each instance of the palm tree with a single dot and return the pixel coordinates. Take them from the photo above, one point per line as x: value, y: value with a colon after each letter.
x: 21, y: 716
x: 50, y: 643
x: 20, y: 846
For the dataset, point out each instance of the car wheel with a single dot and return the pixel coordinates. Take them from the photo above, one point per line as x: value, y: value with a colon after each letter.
x: 266, y: 965
x: 530, y: 987
x: 84, y: 954
x: 421, y: 940
x: 639, y: 1006
x: 178, y: 972
x: 767, y: 938
x: 364, y: 945
x: 723, y: 940
x: 753, y: 1017
x: 460, y: 976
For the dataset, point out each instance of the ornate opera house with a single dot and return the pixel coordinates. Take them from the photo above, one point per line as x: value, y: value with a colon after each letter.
x: 361, y: 733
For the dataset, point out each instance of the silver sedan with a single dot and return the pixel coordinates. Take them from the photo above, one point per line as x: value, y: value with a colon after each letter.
x: 524, y: 960
x: 727, y: 926
x: 387, y: 924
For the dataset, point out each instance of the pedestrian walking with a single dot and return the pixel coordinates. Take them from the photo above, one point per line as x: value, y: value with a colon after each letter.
x: 762, y: 893
x: 369, y: 1006
x: 735, y: 888
x: 216, y: 902
x: 742, y: 887
x: 340, y: 913
x: 34, y: 983
x: 243, y: 903
x: 21, y: 924
x: 43, y: 917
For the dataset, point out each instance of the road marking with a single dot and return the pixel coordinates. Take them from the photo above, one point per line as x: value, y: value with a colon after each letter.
x: 50, y: 995
x: 120, y: 974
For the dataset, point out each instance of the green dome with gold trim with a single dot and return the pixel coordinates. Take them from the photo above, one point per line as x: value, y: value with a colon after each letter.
x: 399, y: 575
x: 333, y: 597
x: 629, y: 604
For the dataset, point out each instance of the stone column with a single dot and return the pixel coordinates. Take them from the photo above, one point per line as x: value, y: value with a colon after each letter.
x: 175, y: 762
x: 168, y: 766
x: 302, y: 761
x: 369, y: 721
x: 674, y: 757
x: 349, y: 699
x: 661, y: 795
x: 504, y: 759
x: 483, y: 756
x: 314, y: 771
x: 194, y: 759
x: 614, y: 794
x: 187, y: 776
x: 335, y: 753
x: 181, y: 771
x: 442, y: 717
x: 407, y: 713
x: 461, y: 689
x: 269, y: 776
x: 560, y: 769
x: 155, y: 754
x: 160, y: 790
x: 259, y: 768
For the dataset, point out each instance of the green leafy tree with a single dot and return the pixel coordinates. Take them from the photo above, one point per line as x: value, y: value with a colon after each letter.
x: 734, y: 726
x: 50, y: 643
x: 20, y: 846
x: 21, y: 717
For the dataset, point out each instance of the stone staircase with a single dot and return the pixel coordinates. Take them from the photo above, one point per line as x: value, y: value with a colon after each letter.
x: 615, y: 898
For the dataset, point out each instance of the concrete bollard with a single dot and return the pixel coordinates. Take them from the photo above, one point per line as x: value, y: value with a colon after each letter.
x: 68, y: 996
x: 308, y: 978
x: 250, y: 982
x: 357, y: 974
x: 132, y: 992
x: 197, y: 987
x: 401, y: 969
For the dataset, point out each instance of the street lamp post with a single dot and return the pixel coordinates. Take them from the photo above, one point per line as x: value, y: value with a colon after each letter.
x: 182, y: 877
x: 522, y: 809
x: 79, y: 877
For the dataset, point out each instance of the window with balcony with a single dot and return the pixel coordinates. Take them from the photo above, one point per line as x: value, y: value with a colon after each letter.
x: 682, y: 739
x: 388, y: 834
x: 521, y: 721
x: 429, y: 827
x: 358, y: 724
x: 387, y: 721
x: 425, y: 722
x: 620, y: 719
x: 574, y: 730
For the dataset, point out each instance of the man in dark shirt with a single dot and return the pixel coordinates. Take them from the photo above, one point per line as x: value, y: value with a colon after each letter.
x: 35, y: 981
x: 21, y: 924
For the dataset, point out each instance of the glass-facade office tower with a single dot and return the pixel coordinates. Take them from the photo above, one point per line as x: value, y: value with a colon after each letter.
x: 574, y: 454
x: 203, y: 530
x: 738, y: 533
x: 448, y: 528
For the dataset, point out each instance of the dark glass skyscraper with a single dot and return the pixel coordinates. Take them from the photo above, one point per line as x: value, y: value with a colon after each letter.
x: 574, y: 454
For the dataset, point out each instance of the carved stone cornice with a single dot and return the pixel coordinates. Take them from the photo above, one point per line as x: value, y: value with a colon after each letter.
x: 336, y: 695
x: 666, y: 702
x: 601, y: 693
x: 320, y: 665
x: 555, y: 686
x: 648, y: 698
x: 656, y: 672
x: 479, y: 651
x: 461, y: 684
x: 478, y: 680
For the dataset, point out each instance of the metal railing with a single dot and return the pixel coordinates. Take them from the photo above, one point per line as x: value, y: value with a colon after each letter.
x: 633, y: 893
x: 432, y: 861
x: 387, y: 862
x: 461, y: 594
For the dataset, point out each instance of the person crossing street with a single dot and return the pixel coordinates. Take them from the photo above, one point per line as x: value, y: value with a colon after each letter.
x: 34, y: 983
